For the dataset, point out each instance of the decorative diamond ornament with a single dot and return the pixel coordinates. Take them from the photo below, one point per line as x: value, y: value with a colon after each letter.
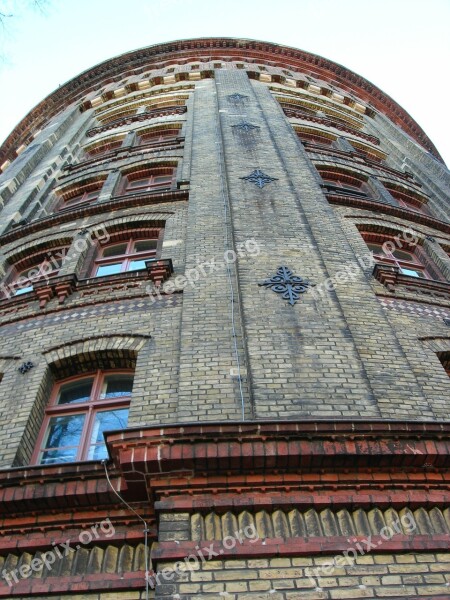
x: 288, y: 285
x: 244, y: 126
x: 260, y: 178
x: 237, y: 97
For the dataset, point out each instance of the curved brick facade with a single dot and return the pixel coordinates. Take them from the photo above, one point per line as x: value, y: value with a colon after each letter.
x: 260, y: 239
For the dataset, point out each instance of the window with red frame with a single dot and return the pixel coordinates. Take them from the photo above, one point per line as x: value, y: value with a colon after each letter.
x: 155, y: 137
x: 79, y: 411
x: 149, y: 183
x: 42, y: 267
x: 315, y: 138
x: 126, y: 255
x: 82, y: 198
x: 405, y: 259
x: 408, y: 200
x: 343, y: 184
x: 98, y: 151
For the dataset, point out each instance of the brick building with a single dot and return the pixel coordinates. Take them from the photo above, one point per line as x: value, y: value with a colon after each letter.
x: 234, y: 258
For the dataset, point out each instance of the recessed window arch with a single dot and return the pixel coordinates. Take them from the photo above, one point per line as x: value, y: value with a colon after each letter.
x: 407, y: 198
x: 371, y: 153
x: 148, y: 179
x: 103, y: 147
x: 79, y: 194
x: 158, y: 135
x: 115, y: 115
x: 79, y: 410
x: 400, y: 250
x: 127, y: 250
x: 32, y: 266
x: 315, y: 136
x: 344, y: 183
x: 87, y: 389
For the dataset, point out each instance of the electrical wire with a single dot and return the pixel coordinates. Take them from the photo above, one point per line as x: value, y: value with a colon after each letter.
x: 146, y: 553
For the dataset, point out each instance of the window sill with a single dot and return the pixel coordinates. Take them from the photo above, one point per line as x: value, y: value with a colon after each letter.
x: 390, y: 276
x: 63, y: 286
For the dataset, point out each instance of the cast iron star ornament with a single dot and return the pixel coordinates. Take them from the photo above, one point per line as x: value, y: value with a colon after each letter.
x: 288, y: 285
x: 260, y: 178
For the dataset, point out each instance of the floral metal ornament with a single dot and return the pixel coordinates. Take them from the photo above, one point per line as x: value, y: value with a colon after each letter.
x: 288, y: 285
x: 245, y: 126
x: 259, y: 178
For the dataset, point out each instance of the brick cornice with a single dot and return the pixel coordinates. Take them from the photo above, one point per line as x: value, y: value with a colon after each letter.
x: 238, y: 457
x: 211, y: 49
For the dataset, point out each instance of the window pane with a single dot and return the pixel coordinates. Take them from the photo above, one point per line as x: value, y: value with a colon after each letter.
x: 75, y: 391
x: 23, y: 290
x: 162, y: 179
x: 137, y: 183
x: 117, y: 386
x: 63, y: 439
x: 403, y: 255
x: 115, y: 250
x: 412, y: 272
x: 375, y: 248
x: 105, y: 421
x: 92, y: 195
x: 62, y: 455
x: 74, y: 200
x: 108, y: 269
x: 144, y: 245
x: 134, y: 265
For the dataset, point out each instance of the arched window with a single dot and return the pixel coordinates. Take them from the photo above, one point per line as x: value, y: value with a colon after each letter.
x: 405, y: 259
x: 80, y: 409
x: 79, y: 195
x: 32, y: 269
x: 158, y: 136
x: 148, y: 180
x: 393, y: 249
x: 343, y: 183
x: 128, y: 254
x: 408, y: 198
x: 103, y: 148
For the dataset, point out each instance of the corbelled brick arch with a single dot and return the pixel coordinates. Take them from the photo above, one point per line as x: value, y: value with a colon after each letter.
x: 115, y: 351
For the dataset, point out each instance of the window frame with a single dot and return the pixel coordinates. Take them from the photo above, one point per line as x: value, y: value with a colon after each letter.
x: 16, y: 273
x: 89, y: 409
x: 387, y: 257
x: 150, y: 187
x: 127, y: 257
x: 104, y: 149
x: 79, y: 199
x: 158, y: 137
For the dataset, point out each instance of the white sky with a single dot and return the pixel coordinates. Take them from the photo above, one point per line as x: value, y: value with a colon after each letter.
x: 402, y: 46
